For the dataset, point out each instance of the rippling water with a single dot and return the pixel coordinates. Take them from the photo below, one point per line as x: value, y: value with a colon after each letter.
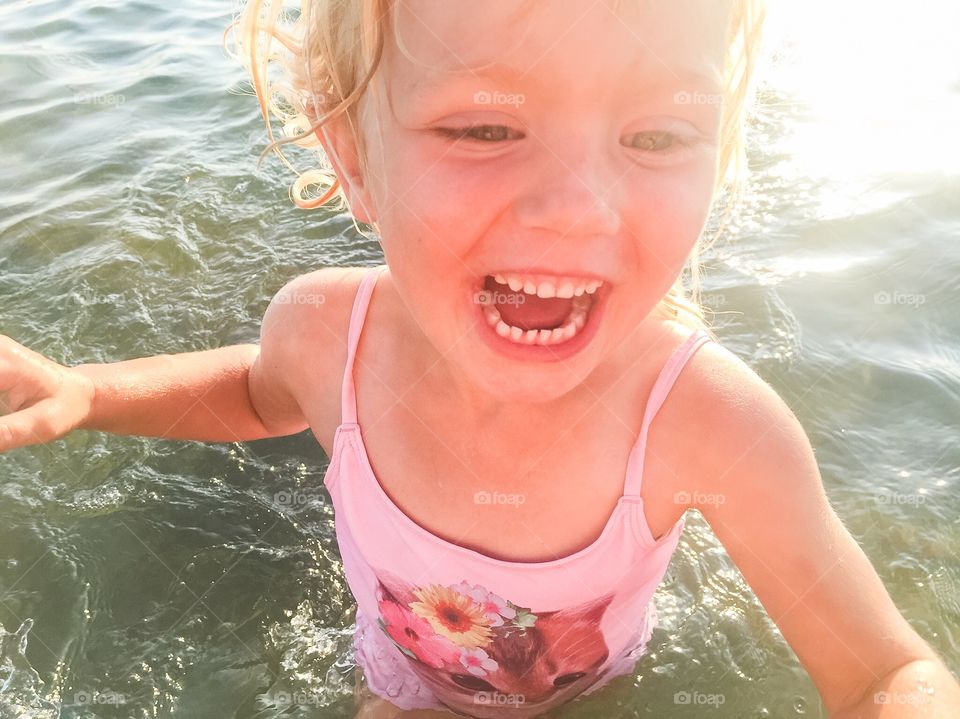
x: 145, y: 578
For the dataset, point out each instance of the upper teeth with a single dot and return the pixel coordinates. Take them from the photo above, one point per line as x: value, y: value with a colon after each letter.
x: 547, y: 286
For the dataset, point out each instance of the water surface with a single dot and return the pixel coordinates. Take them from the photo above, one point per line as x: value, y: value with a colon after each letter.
x: 156, y: 579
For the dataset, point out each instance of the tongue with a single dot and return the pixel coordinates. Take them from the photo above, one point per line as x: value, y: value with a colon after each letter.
x: 529, y: 312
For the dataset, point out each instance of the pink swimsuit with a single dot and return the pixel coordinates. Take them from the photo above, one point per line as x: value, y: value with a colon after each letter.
x: 441, y: 626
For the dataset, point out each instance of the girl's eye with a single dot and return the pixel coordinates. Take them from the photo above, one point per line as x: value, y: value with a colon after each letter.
x: 483, y: 133
x: 655, y: 141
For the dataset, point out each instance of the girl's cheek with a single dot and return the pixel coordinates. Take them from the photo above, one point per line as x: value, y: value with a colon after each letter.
x: 674, y: 212
x: 453, y: 206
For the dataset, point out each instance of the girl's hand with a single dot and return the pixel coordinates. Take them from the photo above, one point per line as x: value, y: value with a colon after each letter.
x: 40, y: 400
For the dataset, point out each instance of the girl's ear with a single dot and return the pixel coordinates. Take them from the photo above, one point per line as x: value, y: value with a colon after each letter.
x: 342, y: 150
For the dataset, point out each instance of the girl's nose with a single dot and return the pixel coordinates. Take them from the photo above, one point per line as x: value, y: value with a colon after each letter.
x: 573, y: 192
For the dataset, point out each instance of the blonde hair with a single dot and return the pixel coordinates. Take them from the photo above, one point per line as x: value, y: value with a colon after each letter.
x: 326, y: 54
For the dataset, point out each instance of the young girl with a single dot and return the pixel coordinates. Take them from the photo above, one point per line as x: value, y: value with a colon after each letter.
x: 522, y: 403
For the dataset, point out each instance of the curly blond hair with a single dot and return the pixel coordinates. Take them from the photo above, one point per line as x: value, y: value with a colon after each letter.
x: 312, y: 65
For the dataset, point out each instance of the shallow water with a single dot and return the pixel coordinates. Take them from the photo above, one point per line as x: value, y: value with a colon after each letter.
x: 152, y: 578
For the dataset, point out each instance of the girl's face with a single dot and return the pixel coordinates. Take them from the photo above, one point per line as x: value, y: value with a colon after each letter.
x: 525, y: 153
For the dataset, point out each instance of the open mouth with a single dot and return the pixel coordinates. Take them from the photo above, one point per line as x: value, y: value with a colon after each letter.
x: 535, y: 309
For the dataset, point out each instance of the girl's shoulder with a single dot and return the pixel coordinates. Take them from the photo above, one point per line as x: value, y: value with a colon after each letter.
x: 717, y: 398
x: 713, y: 368
x: 306, y: 324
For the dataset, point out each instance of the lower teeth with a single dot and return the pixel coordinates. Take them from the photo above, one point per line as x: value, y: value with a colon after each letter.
x: 573, y: 324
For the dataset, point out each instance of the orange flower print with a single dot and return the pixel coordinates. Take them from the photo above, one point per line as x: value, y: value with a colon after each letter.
x: 453, y: 615
x: 450, y: 625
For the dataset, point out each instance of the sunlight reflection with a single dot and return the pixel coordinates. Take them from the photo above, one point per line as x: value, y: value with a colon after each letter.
x: 876, y: 90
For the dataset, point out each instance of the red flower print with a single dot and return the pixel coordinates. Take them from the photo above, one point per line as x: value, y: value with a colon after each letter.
x: 416, y: 637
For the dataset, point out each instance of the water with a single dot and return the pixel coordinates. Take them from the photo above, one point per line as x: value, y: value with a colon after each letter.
x: 146, y: 578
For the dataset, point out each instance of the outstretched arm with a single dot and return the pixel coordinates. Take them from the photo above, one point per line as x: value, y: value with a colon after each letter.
x: 768, y: 507
x: 230, y: 394
x: 200, y: 396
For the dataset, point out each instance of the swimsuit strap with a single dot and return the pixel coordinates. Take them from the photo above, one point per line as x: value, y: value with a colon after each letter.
x: 348, y: 395
x: 661, y: 388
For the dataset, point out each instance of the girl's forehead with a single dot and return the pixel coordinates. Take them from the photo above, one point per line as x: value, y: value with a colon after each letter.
x: 589, y: 39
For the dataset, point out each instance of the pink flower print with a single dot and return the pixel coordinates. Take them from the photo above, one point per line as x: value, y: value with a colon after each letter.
x: 477, y: 661
x: 493, y: 606
x: 416, y: 637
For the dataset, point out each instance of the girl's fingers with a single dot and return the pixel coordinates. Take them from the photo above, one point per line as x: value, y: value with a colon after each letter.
x: 24, y: 375
x: 34, y: 425
x: 15, y: 355
x: 12, y: 351
x: 16, y: 387
x: 10, y: 374
x: 58, y: 398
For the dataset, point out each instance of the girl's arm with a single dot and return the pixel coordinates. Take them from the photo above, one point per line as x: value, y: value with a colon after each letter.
x: 203, y: 396
x: 229, y: 394
x: 763, y: 496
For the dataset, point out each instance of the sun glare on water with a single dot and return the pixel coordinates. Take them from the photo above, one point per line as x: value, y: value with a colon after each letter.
x: 876, y: 89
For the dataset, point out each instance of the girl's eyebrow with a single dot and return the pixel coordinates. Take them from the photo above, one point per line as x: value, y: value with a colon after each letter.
x: 637, y: 75
x: 497, y: 70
